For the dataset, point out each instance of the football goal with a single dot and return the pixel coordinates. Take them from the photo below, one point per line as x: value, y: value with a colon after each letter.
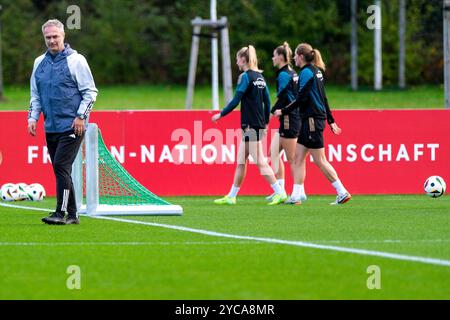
x: 103, y: 187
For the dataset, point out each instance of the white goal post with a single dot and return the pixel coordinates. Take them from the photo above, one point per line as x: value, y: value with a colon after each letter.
x: 88, y: 161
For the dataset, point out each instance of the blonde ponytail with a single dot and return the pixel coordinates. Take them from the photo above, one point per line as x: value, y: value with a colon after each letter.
x: 318, y: 62
x: 249, y: 53
x: 311, y: 55
x: 286, y: 51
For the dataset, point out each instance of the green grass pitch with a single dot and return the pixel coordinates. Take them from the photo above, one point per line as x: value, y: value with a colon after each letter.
x: 146, y: 97
x: 123, y: 260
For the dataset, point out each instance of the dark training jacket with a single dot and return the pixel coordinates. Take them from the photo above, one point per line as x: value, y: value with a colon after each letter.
x: 311, y: 98
x: 253, y: 94
x: 287, y: 83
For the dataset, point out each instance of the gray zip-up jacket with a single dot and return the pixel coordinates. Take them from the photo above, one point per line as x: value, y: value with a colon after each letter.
x: 62, y: 88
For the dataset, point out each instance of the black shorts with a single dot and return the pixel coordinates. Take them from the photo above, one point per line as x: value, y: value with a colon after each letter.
x: 253, y: 134
x: 311, y: 133
x: 289, y: 126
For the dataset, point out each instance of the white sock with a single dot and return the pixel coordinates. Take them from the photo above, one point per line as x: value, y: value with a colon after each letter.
x: 281, y: 182
x: 302, y: 190
x: 340, y: 189
x: 277, y: 188
x: 233, y: 192
x: 298, y: 190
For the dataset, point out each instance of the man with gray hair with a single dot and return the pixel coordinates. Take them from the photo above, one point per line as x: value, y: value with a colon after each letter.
x: 63, y: 89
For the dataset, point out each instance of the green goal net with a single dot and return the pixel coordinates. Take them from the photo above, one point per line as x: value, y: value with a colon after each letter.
x: 117, y: 186
x: 107, y: 187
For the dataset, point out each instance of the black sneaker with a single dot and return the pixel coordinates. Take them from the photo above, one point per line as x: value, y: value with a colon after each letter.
x: 72, y: 219
x: 54, y: 218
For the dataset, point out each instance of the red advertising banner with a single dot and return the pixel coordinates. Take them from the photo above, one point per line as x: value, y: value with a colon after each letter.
x: 185, y: 153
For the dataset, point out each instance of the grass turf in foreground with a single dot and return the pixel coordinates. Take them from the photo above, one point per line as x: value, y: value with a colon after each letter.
x: 128, y: 261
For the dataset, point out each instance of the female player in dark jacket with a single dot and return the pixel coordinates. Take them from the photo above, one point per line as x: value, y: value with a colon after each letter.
x: 286, y: 137
x: 253, y: 95
x: 313, y: 106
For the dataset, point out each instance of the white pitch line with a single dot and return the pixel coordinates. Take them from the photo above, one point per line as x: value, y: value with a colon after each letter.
x: 364, y: 252
x: 24, y: 207
x: 415, y: 241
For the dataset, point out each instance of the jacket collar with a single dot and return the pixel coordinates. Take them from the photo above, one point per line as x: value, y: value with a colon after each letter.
x: 305, y: 66
x: 67, y: 51
x: 285, y: 68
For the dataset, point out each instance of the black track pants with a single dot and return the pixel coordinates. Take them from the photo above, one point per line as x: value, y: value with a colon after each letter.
x: 63, y: 149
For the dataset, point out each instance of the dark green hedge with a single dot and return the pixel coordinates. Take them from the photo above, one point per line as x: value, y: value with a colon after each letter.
x: 149, y: 40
